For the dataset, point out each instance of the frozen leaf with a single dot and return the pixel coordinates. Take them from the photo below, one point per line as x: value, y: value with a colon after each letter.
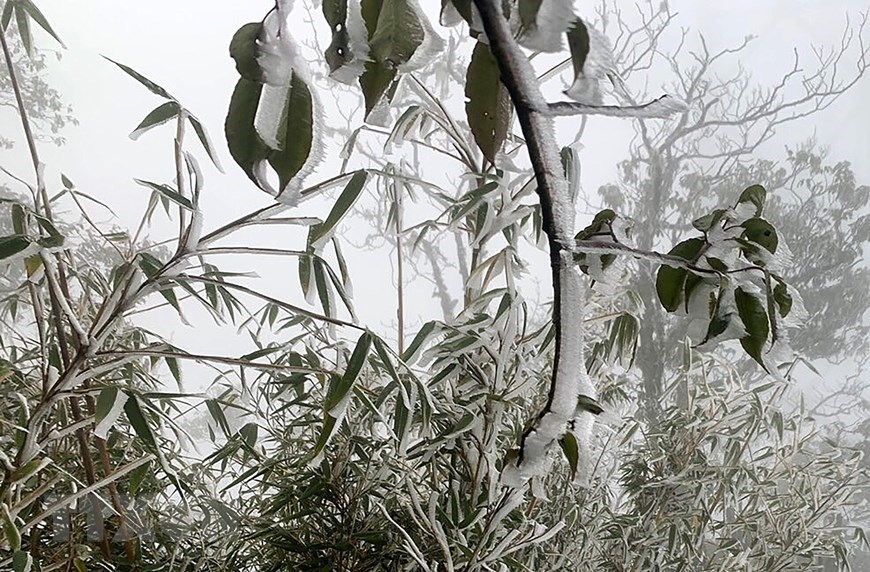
x: 754, y: 317
x: 349, y: 49
x: 592, y: 58
x: 542, y: 23
x: 158, y: 116
x: 110, y: 404
x: 243, y: 50
x: 152, y: 87
x: 352, y: 191
x: 488, y: 103
x: 670, y: 282
x: 755, y: 195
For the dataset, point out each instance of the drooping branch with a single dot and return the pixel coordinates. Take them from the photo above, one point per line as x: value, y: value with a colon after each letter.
x: 569, y: 380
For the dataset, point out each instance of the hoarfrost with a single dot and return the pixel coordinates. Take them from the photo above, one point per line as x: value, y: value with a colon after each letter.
x: 598, y: 66
x: 432, y: 42
x: 552, y: 20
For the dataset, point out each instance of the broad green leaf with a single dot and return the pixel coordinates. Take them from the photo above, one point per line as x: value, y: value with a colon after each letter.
x: 167, y: 192
x: 756, y: 195
x: 139, y: 423
x: 341, y: 390
x: 376, y: 82
x: 398, y: 34
x: 761, y: 232
x: 19, y: 219
x: 296, y: 132
x: 670, y: 282
x: 203, y: 137
x: 246, y: 147
x: 243, y: 49
x: 12, y: 245
x: 158, y: 116
x: 578, y: 44
x: 110, y: 404
x: 352, y: 191
x: 22, y: 561
x: 571, y: 449
x: 152, y: 87
x: 488, y: 103
x: 754, y: 317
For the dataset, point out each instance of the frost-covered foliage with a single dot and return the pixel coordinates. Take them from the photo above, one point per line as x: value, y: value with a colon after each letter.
x: 501, y: 435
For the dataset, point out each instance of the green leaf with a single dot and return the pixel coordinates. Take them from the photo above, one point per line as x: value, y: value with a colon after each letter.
x: 762, y: 233
x: 203, y: 137
x: 296, y: 132
x: 7, y: 14
x: 398, y: 34
x: 571, y: 449
x: 137, y: 476
x: 246, y: 147
x: 158, y: 116
x: 110, y: 403
x: 346, y: 200
x: 488, y: 103
x: 756, y: 195
x: 12, y: 245
x: 752, y: 313
x: 578, y: 45
x: 706, y: 222
x: 465, y: 423
x: 340, y: 391
x: 39, y: 18
x: 329, y: 427
x: 139, y: 423
x: 413, y: 348
x: 167, y: 192
x: 782, y: 298
x: 13, y: 536
x: 217, y: 413
x: 243, y: 49
x: 152, y: 87
x: 22, y: 561
x: 670, y: 282
x: 586, y: 403
x: 376, y: 81
x: 324, y: 290
x: 23, y: 22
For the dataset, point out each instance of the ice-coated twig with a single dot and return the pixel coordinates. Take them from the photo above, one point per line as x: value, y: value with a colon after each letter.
x: 660, y: 108
x: 569, y: 380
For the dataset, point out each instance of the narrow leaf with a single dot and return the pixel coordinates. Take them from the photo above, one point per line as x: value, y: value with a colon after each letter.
x: 343, y: 204
x: 152, y: 87
x: 158, y: 116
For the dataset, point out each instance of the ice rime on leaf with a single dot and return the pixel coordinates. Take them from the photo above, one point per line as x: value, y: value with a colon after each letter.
x: 432, y: 42
x: 593, y: 62
x: 542, y: 23
x: 349, y: 50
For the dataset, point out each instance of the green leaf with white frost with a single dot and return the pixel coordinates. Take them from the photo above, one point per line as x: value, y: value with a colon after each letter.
x: 152, y: 87
x: 571, y: 448
x: 755, y: 194
x: 167, y: 192
x: 139, y: 423
x: 398, y: 34
x: 204, y: 138
x: 243, y: 50
x: 670, y: 282
x: 754, y: 317
x: 488, y: 103
x: 782, y: 298
x: 762, y: 233
x: 352, y: 191
x: 413, y: 349
x: 246, y: 147
x: 110, y: 404
x: 12, y: 245
x: 159, y: 115
x: 336, y: 400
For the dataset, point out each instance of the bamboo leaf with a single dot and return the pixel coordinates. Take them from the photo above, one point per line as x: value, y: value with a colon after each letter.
x: 152, y: 87
x: 159, y: 115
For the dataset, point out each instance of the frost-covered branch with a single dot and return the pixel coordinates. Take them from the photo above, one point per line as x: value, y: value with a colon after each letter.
x: 569, y: 380
x: 660, y: 108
